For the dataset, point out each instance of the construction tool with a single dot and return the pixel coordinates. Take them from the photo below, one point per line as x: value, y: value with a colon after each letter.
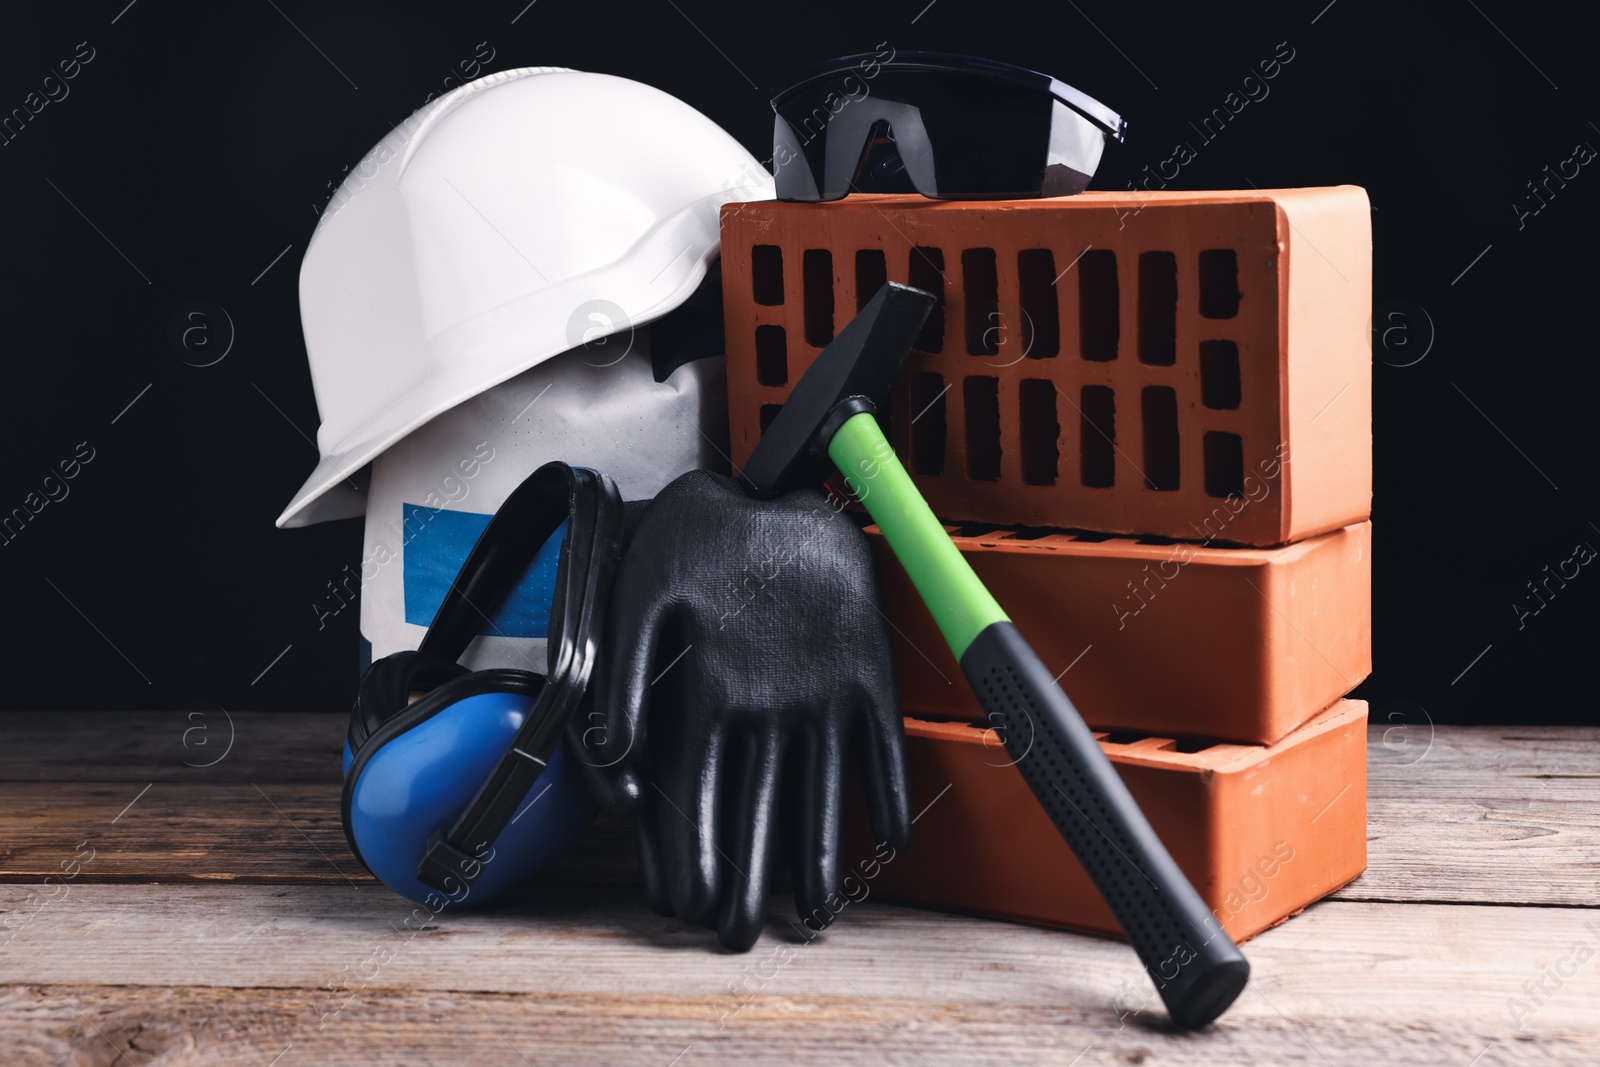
x: 829, y: 422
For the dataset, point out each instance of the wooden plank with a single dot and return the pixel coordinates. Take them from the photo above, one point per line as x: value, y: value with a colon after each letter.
x: 213, y: 745
x: 1490, y: 814
x: 184, y: 831
x: 239, y: 973
x: 257, y: 832
x: 249, y: 797
x: 1454, y: 813
x: 1523, y: 763
x: 275, y: 1028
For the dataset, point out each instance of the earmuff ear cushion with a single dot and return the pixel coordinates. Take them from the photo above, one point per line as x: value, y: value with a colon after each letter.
x: 387, y: 686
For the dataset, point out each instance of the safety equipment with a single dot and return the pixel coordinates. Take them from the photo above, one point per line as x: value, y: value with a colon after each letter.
x: 433, y: 492
x: 745, y: 651
x: 955, y: 127
x: 521, y: 215
x: 456, y: 784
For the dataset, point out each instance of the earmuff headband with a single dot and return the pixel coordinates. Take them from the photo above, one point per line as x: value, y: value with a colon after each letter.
x: 454, y: 859
x: 502, y: 552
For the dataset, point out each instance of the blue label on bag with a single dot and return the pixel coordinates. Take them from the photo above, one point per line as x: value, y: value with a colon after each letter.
x: 437, y: 542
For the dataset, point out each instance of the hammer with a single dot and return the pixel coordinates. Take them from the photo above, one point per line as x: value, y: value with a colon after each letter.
x: 829, y: 421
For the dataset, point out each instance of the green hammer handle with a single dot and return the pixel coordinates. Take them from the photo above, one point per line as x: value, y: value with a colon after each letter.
x: 960, y: 603
x: 1196, y: 967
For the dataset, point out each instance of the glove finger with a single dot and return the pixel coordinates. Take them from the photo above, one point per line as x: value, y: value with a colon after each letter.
x: 888, y: 790
x: 614, y: 788
x: 814, y: 802
x: 612, y: 734
x: 652, y: 871
x: 754, y: 771
x: 688, y: 801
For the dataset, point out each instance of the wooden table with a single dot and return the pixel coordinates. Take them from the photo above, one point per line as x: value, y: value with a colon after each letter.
x: 213, y: 914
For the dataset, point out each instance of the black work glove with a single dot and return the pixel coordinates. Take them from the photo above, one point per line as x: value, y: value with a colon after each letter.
x: 745, y: 651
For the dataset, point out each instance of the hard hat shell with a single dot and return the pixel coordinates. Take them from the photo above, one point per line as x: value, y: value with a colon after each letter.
x: 480, y: 237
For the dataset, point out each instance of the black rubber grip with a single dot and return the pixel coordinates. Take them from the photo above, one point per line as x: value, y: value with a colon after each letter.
x: 1196, y: 967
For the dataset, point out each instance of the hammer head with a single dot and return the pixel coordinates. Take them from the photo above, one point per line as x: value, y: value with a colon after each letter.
x: 862, y: 361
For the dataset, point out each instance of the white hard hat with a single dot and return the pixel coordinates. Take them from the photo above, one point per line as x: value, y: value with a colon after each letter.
x: 519, y: 216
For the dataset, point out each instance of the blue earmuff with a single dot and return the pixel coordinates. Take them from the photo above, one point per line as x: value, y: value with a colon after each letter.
x: 457, y: 785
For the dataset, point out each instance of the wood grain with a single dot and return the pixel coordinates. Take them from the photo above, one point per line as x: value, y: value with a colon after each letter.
x: 1485, y: 814
x: 285, y: 833
x: 266, y: 943
x: 238, y: 973
x: 211, y: 745
x: 267, y: 809
x: 1454, y: 813
x: 190, y: 1027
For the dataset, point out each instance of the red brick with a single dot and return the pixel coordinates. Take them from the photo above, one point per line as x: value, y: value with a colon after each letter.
x: 1261, y: 831
x: 1297, y: 445
x: 1238, y: 644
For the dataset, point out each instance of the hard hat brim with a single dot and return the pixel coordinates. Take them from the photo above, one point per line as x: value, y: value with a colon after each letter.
x: 330, y: 493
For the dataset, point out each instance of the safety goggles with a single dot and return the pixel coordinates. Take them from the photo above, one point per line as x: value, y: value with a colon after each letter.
x: 951, y: 127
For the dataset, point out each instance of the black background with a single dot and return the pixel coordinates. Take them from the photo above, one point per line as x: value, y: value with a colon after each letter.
x: 201, y: 140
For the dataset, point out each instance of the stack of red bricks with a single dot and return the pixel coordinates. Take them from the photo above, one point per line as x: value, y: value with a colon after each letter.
x: 1146, y: 420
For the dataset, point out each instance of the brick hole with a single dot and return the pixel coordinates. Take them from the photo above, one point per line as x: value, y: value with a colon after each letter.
x: 980, y: 290
x: 927, y: 273
x: 1097, y: 436
x: 1153, y: 540
x: 1041, y: 315
x: 1030, y: 533
x: 1158, y: 410
x: 766, y: 274
x: 1191, y: 744
x: 1092, y: 537
x: 1219, y: 283
x: 772, y: 356
x: 1224, y: 463
x: 981, y: 401
x: 975, y: 529
x: 1125, y: 737
x: 1219, y: 374
x: 816, y: 279
x: 1040, y: 431
x: 1158, y: 308
x: 1099, y: 316
x: 872, y: 271
x: 767, y: 414
x: 928, y: 425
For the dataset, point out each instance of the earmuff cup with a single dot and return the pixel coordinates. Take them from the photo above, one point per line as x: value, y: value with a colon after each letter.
x: 443, y: 764
x: 420, y: 769
x: 387, y: 686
